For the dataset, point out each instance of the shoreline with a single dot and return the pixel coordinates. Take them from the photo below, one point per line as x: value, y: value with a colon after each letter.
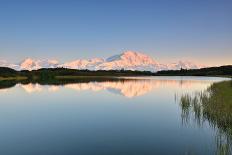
x: 73, y: 77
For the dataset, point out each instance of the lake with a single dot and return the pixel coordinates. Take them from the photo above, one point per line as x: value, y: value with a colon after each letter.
x: 129, y: 116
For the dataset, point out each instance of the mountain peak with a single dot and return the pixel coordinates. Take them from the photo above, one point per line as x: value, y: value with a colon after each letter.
x: 33, y: 64
x: 83, y: 63
x: 29, y: 64
x: 132, y: 56
x: 128, y: 60
x: 184, y: 64
x: 131, y: 53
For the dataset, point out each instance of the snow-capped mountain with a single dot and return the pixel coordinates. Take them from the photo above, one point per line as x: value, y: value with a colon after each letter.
x: 90, y: 64
x: 128, y: 60
x: 4, y: 63
x: 32, y: 64
x: 184, y: 65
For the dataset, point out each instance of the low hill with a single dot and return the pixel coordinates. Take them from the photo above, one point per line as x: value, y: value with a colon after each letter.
x: 210, y: 71
x: 8, y: 72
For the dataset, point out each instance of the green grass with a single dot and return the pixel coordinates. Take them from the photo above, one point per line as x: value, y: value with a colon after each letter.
x: 215, y: 106
x: 17, y: 78
x: 223, y: 90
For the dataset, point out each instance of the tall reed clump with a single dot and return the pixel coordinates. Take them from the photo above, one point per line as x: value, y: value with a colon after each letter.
x: 215, y: 106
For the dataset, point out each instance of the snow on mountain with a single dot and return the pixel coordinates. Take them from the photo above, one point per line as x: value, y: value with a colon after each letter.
x: 128, y: 60
x: 83, y: 64
x: 184, y: 65
x: 137, y: 61
x: 33, y: 64
x: 4, y: 63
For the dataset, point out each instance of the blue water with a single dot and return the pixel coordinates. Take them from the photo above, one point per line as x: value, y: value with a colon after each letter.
x: 141, y: 116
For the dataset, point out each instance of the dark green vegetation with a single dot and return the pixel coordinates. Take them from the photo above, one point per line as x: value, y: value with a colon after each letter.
x: 53, y: 73
x: 211, y: 71
x: 215, y: 106
x: 49, y: 73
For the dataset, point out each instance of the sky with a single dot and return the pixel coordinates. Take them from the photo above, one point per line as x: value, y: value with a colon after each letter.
x: 168, y: 30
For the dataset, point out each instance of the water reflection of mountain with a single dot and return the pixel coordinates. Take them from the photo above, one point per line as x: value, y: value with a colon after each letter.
x: 126, y: 87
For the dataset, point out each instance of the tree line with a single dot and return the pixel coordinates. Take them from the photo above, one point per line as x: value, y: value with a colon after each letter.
x: 51, y: 73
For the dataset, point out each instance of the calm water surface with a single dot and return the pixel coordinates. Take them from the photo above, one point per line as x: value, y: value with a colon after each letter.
x: 135, y: 116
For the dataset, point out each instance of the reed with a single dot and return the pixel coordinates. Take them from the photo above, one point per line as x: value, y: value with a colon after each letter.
x: 215, y: 106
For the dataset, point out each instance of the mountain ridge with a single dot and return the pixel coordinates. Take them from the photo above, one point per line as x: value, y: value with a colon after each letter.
x: 128, y: 60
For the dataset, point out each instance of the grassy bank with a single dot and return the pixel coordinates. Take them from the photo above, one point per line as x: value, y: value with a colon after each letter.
x: 215, y: 106
x: 16, y: 78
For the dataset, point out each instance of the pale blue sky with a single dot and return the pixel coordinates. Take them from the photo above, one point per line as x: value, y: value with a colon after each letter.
x: 168, y: 30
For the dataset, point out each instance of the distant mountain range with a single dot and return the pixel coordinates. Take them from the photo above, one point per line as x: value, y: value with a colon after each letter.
x: 128, y: 60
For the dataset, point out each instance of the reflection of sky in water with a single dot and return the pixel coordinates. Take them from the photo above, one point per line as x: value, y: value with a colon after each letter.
x: 91, y: 118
